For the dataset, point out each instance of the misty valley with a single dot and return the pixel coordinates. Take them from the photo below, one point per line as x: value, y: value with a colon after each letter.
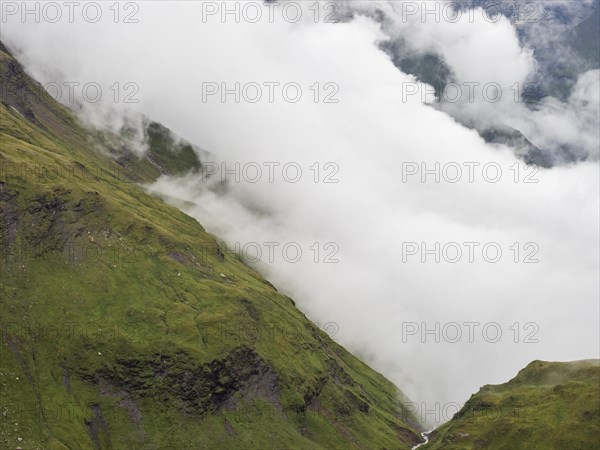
x: 300, y: 225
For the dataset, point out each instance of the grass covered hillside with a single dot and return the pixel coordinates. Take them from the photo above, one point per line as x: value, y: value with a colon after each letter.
x: 124, y: 326
x: 547, y: 406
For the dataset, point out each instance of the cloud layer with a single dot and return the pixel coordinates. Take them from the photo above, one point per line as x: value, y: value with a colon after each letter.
x: 373, y: 139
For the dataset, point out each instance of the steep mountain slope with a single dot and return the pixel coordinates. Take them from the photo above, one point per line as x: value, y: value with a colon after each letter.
x: 124, y: 324
x: 548, y: 405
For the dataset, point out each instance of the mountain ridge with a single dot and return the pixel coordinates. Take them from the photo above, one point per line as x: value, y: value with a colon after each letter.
x: 550, y: 405
x: 124, y: 324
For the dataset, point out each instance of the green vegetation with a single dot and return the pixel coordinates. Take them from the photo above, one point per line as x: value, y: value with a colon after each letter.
x: 177, y: 158
x: 548, y: 405
x: 124, y: 325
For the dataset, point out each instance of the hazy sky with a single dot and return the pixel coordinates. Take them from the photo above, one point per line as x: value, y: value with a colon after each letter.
x: 376, y: 139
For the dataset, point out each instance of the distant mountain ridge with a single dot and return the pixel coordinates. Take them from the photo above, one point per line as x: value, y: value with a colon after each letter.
x: 565, y: 41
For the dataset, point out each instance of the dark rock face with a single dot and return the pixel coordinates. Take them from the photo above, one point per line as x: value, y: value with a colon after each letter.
x: 198, y: 389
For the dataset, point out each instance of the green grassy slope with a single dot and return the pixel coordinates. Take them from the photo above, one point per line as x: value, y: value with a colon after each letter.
x: 176, y: 157
x: 124, y: 325
x: 548, y: 405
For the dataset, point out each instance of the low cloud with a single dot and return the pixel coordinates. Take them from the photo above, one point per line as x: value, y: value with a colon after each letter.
x: 383, y: 149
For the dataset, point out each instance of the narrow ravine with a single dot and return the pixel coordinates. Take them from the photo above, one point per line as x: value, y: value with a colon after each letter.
x: 425, y: 435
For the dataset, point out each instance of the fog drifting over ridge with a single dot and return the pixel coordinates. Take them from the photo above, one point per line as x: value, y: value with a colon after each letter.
x: 492, y: 66
x: 370, y: 212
